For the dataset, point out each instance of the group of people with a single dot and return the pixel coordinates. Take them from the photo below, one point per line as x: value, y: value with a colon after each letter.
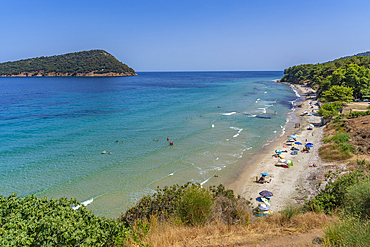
x: 168, y: 139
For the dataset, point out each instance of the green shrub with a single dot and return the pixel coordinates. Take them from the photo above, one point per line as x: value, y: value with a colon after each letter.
x: 162, y: 204
x: 35, y: 221
x: 357, y: 200
x: 340, y: 138
x: 290, y: 211
x: 195, y: 206
x: 349, y: 232
x: 341, y: 143
x: 333, y: 196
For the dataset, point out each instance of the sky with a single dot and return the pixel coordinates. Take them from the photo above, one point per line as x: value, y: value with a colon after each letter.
x: 191, y: 35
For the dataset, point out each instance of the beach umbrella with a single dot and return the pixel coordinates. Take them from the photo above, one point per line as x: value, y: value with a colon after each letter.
x: 282, y: 156
x: 291, y: 140
x: 309, y: 145
x: 263, y: 207
x: 294, y: 136
x: 281, y: 160
x: 278, y: 151
x: 311, y: 125
x: 285, y: 146
x: 264, y: 174
x: 266, y: 193
x: 298, y: 143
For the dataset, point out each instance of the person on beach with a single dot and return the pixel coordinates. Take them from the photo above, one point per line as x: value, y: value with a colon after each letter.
x: 168, y: 138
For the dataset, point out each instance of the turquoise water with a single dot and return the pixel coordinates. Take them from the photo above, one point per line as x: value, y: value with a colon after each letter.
x: 53, y: 132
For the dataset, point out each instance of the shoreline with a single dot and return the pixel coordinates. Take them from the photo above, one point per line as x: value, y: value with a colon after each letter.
x: 285, y: 181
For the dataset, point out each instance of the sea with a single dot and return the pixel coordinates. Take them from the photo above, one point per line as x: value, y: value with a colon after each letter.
x: 106, y: 141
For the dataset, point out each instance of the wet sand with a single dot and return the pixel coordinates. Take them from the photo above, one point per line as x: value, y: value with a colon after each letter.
x: 285, y: 182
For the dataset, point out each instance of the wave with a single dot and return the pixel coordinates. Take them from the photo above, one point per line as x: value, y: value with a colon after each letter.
x: 205, y: 181
x: 229, y: 113
x: 238, y: 129
x: 295, y: 90
x: 263, y: 110
x: 85, y: 203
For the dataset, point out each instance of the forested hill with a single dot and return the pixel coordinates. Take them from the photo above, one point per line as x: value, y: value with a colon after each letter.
x: 85, y: 63
x: 353, y: 71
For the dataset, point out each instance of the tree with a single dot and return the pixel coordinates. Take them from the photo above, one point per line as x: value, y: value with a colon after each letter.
x: 338, y: 93
x: 327, y: 111
x: 353, y: 76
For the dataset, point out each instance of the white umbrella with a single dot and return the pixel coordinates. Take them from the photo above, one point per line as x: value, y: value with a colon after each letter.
x: 311, y: 125
x: 282, y: 160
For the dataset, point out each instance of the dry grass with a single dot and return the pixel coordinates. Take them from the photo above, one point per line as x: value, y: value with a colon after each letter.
x: 328, y: 153
x: 356, y: 106
x: 220, y: 234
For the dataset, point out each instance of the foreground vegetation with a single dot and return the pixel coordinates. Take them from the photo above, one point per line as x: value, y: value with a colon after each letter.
x: 192, y: 216
x: 97, y: 61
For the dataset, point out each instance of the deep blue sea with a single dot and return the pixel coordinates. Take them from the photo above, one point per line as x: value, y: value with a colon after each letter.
x: 53, y: 132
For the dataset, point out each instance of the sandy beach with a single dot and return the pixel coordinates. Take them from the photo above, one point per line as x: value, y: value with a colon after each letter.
x: 285, y: 182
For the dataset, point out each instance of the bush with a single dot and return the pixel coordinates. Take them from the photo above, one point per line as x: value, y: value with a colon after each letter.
x: 340, y: 138
x: 333, y: 196
x: 357, y: 200
x: 35, y: 221
x: 340, y: 143
x: 164, y: 203
x: 348, y: 232
x: 161, y: 204
x: 195, y: 206
x: 290, y: 211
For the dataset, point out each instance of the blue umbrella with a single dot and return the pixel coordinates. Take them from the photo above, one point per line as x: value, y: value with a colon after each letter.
x: 298, y: 143
x: 266, y: 193
x: 278, y: 151
x: 294, y: 136
x: 264, y: 174
x: 309, y: 145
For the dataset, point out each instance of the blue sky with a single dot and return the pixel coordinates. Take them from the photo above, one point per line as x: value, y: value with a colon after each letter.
x: 188, y: 35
